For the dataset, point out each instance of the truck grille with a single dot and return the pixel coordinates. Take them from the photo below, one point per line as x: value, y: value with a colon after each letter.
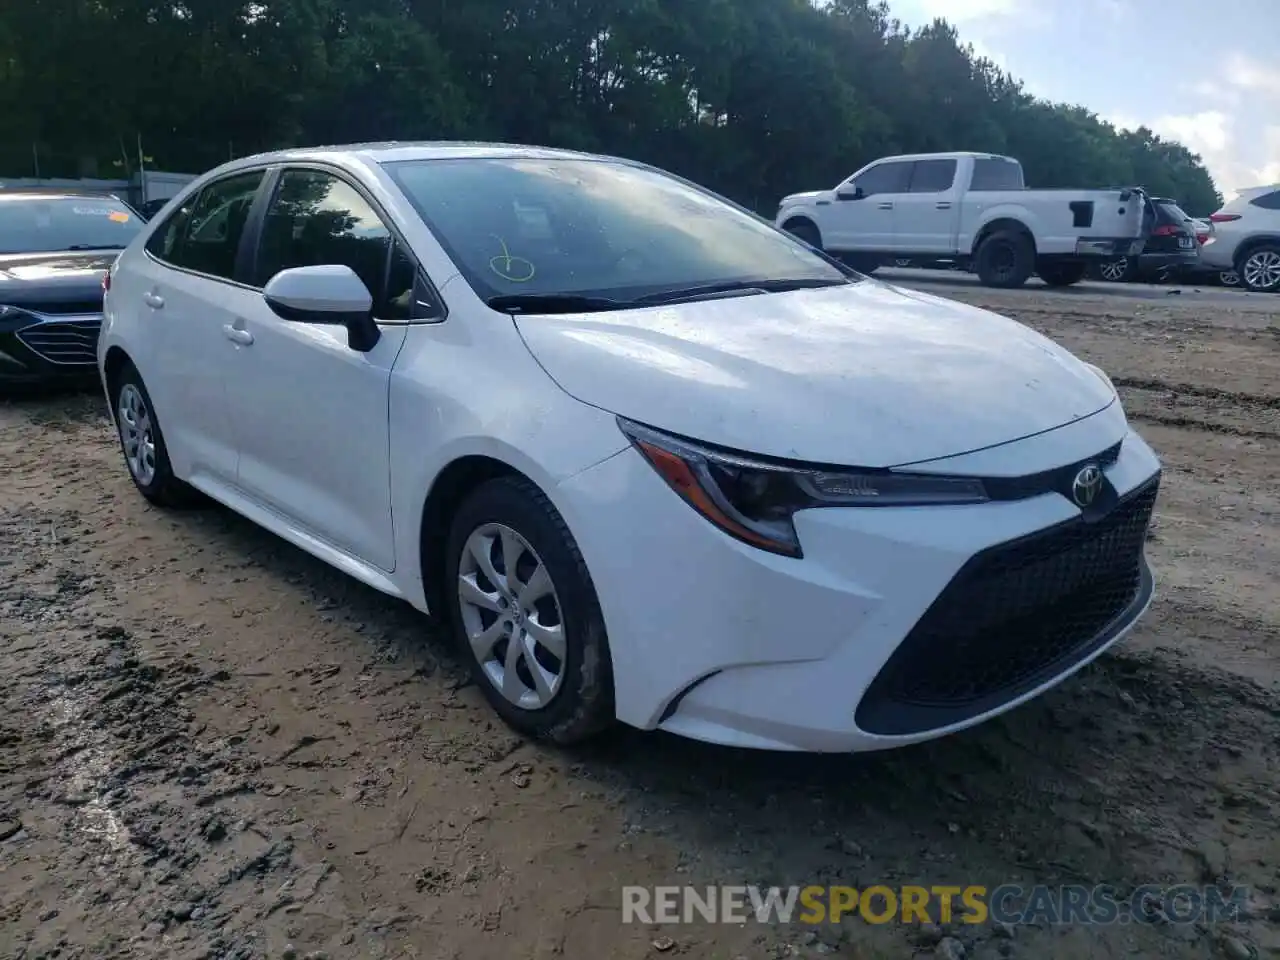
x: 65, y: 342
x: 1015, y: 616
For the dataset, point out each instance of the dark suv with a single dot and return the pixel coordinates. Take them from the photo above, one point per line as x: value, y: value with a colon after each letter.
x: 55, y: 247
x: 1172, y: 249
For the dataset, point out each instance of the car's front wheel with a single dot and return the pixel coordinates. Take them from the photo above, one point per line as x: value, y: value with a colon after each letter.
x: 1259, y: 268
x: 525, y: 613
x: 142, y: 442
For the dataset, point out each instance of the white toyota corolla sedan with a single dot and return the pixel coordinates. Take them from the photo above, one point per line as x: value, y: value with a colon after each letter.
x: 653, y: 459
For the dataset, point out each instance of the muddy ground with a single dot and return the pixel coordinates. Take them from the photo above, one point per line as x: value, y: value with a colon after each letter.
x: 213, y: 746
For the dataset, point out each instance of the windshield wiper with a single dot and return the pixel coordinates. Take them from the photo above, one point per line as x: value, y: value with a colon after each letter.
x: 95, y: 246
x: 740, y: 286
x: 553, y: 303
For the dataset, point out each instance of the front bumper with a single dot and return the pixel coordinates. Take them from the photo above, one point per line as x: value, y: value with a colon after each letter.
x: 49, y: 348
x: 867, y: 642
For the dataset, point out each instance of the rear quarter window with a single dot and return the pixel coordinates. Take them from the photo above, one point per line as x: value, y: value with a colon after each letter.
x: 1268, y: 201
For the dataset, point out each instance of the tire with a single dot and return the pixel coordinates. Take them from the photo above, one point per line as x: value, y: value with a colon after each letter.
x: 1229, y: 278
x: 806, y: 231
x: 1062, y: 274
x: 1259, y: 268
x: 1006, y: 259
x: 577, y: 702
x: 1116, y: 271
x: 861, y: 262
x: 902, y: 263
x: 136, y: 423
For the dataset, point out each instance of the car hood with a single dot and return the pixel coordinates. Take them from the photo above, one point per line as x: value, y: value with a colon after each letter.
x: 798, y: 197
x: 41, y: 279
x: 859, y: 375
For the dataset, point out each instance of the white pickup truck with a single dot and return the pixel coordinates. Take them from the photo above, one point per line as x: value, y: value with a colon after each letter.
x: 971, y: 208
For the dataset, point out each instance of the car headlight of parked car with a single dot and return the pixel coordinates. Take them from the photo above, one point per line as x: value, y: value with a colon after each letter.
x: 755, y: 501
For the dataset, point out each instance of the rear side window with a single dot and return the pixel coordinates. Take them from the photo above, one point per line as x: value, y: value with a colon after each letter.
x: 1268, y: 201
x: 990, y: 173
x: 204, y: 233
x: 317, y: 218
x: 884, y: 178
x: 933, y: 176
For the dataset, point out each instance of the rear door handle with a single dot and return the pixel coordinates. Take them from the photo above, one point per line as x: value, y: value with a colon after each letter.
x: 886, y: 206
x: 944, y: 204
x: 237, y: 334
x: 153, y: 300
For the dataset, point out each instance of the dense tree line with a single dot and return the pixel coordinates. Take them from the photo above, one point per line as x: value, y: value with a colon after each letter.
x: 756, y: 98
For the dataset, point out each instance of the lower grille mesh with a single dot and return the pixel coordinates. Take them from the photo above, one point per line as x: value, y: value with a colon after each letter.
x: 1016, y: 615
x: 64, y: 341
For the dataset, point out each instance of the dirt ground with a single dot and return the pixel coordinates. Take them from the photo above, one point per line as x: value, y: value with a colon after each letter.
x: 212, y: 746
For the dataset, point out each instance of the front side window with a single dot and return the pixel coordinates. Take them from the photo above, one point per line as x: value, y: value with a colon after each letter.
x: 317, y: 218
x: 32, y: 223
x: 551, y: 227
x: 884, y: 178
x: 204, y: 233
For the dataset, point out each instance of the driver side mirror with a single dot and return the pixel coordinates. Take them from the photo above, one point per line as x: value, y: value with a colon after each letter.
x: 850, y: 193
x: 327, y: 294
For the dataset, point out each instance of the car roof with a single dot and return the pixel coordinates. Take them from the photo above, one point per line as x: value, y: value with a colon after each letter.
x: 53, y: 193
x: 392, y: 150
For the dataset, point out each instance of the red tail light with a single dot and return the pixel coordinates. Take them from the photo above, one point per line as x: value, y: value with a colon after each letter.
x: 1223, y: 217
x: 106, y: 281
x: 1201, y: 237
x: 1166, y: 230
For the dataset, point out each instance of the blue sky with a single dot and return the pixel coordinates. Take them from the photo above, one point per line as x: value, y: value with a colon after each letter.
x: 1203, y: 72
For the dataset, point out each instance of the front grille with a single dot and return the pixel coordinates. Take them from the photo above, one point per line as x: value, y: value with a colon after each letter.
x: 1015, y: 616
x: 64, y: 342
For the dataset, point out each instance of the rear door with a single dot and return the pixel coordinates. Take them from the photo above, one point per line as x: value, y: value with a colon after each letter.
x: 926, y: 217
x: 183, y: 287
x: 312, y: 413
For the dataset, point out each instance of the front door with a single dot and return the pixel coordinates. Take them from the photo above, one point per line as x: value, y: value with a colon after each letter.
x: 311, y: 413
x: 865, y: 223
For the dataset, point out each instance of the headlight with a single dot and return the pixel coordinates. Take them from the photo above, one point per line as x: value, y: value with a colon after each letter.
x: 754, y: 500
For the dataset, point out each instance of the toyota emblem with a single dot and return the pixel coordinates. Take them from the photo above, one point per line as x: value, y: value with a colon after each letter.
x: 1087, y: 485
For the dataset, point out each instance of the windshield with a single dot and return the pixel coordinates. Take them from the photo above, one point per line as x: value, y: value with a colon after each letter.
x: 34, y: 224
x: 542, y: 228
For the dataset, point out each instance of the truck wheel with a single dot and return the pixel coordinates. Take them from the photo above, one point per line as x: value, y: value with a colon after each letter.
x: 861, y: 262
x: 806, y: 231
x: 1005, y: 259
x: 1061, y: 274
x: 1259, y: 268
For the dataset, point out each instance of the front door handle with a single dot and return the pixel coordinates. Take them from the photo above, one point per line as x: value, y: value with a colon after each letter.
x: 886, y: 206
x: 944, y: 204
x: 237, y: 334
x: 153, y: 300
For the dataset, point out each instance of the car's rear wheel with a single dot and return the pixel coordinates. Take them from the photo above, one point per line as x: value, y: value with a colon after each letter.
x: 1259, y: 268
x: 1229, y: 278
x: 142, y: 442
x: 1006, y: 259
x: 525, y: 613
x: 1116, y: 271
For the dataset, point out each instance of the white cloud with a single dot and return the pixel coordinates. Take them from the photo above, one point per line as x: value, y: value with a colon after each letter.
x: 962, y: 11
x: 1249, y: 75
